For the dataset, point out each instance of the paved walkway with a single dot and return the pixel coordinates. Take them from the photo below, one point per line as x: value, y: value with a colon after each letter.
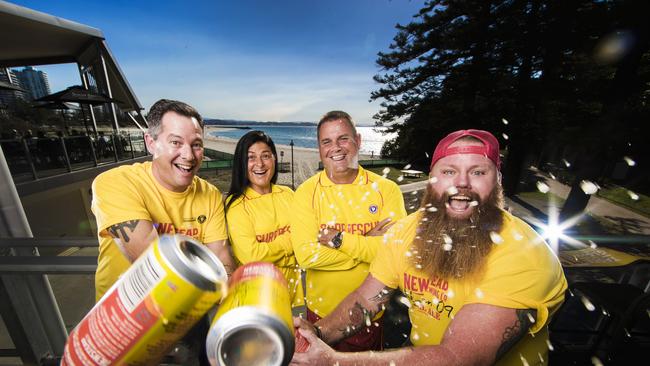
x: 624, y: 219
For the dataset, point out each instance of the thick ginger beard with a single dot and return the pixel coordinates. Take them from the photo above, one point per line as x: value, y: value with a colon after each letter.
x: 470, y: 238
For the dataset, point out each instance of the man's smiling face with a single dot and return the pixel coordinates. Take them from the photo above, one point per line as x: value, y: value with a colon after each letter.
x: 177, y: 151
x: 338, y: 146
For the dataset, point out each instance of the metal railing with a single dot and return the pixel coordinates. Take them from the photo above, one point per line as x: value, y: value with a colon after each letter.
x: 35, y: 158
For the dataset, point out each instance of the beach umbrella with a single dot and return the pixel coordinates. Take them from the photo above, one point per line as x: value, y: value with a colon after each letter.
x: 76, y: 94
x: 57, y: 106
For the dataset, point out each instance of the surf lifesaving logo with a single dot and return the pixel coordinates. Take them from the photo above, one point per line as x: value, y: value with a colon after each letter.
x: 373, y: 209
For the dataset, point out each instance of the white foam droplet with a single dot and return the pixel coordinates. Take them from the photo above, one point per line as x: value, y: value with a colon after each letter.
x: 517, y: 235
x: 531, y: 318
x: 473, y: 204
x: 588, y: 305
x: 400, y: 178
x: 633, y: 195
x: 433, y: 180
x: 566, y: 163
x: 505, y: 137
x: 552, y: 176
x: 543, y: 187
x: 629, y: 161
x: 385, y: 170
x: 408, y: 166
x: 592, y: 245
x: 408, y: 253
x: 374, y: 186
x: 447, y: 239
x: 505, y: 121
x: 549, y: 345
x: 452, y: 190
x: 588, y: 187
x: 447, y: 247
x: 478, y: 293
x: 524, y: 362
x: 451, y: 293
x: 495, y: 237
x: 404, y: 301
x: 596, y: 361
x: 432, y: 209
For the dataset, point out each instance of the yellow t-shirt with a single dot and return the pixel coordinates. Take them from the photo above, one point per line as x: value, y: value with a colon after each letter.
x: 130, y: 192
x: 353, y: 208
x: 522, y: 272
x: 260, y: 230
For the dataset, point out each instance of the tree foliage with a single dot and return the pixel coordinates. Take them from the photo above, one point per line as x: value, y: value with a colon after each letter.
x: 553, y: 80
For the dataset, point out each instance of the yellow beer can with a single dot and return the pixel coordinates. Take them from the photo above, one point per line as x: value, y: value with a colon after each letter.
x: 253, y: 325
x: 153, y: 304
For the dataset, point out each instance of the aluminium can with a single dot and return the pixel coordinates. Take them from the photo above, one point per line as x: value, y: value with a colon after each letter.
x: 253, y: 325
x: 153, y: 304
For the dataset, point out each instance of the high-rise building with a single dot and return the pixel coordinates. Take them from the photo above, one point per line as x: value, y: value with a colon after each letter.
x: 8, y: 96
x: 34, y: 81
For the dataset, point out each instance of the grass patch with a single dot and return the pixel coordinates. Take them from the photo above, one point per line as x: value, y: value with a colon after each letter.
x: 621, y: 196
x: 394, y: 174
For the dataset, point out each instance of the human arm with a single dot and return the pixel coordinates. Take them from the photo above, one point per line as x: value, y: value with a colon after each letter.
x: 245, y: 244
x: 223, y: 251
x: 479, y: 335
x: 132, y: 237
x: 309, y: 253
x: 364, y: 247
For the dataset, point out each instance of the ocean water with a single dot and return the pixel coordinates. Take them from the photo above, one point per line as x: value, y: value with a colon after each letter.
x: 372, y: 138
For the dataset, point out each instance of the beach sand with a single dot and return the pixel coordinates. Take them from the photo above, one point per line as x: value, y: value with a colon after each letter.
x: 305, y: 159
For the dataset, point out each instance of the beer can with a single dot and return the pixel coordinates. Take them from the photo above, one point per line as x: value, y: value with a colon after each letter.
x: 153, y: 304
x: 253, y: 325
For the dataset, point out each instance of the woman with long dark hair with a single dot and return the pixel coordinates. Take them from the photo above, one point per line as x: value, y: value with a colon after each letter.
x: 257, y: 210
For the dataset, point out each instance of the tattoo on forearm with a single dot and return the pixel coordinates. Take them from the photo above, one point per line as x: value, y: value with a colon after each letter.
x: 516, y: 332
x: 119, y: 230
x: 358, y: 315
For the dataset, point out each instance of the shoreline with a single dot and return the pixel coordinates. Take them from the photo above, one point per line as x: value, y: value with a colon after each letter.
x: 305, y: 159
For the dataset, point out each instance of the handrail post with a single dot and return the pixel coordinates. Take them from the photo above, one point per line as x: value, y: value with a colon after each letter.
x: 30, y: 161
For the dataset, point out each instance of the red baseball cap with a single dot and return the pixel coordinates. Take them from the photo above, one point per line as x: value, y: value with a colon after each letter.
x: 490, y: 148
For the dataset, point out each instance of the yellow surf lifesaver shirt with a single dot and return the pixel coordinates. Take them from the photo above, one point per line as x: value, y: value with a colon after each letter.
x: 521, y: 272
x: 259, y: 228
x: 355, y: 208
x: 130, y: 192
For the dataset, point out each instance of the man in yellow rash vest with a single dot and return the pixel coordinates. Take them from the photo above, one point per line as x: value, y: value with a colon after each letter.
x: 135, y: 203
x: 338, y: 221
x: 482, y: 285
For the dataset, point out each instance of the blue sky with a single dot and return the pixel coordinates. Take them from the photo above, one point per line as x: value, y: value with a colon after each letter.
x: 276, y: 60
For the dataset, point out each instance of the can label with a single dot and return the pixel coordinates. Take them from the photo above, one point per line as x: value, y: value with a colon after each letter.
x: 257, y: 315
x: 261, y: 285
x: 148, y: 309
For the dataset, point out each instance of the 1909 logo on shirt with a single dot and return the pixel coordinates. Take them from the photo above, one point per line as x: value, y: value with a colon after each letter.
x: 373, y: 209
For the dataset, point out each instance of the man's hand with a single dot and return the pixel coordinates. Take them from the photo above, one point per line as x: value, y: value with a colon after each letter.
x: 318, y: 353
x: 381, y: 228
x: 304, y: 325
x: 326, y: 235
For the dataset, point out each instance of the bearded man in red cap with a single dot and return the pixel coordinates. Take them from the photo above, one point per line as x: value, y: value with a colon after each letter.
x: 481, y: 285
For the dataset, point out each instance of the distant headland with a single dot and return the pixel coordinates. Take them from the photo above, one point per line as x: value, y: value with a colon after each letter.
x: 244, y: 124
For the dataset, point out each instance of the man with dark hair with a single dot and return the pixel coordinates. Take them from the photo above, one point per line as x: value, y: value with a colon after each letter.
x: 481, y: 284
x: 133, y: 204
x: 338, y: 221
